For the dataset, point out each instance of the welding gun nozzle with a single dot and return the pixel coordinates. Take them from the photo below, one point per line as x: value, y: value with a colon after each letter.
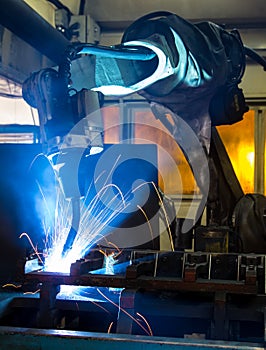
x: 69, y: 242
x: 74, y: 228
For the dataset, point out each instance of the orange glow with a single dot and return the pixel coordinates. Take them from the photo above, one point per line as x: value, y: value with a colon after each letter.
x: 111, y: 124
x: 177, y: 178
x: 239, y: 143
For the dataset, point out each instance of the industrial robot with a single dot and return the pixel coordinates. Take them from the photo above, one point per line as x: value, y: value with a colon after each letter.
x: 186, y: 70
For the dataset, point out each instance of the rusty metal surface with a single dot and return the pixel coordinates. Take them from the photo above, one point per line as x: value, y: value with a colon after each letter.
x: 146, y: 282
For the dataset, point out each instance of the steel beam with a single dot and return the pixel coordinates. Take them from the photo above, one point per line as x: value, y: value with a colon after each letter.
x: 31, y: 339
x: 146, y: 282
x: 27, y: 24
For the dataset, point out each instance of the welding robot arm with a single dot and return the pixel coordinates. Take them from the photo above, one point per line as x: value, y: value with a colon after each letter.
x: 70, y: 128
x: 188, y: 70
x: 185, y: 70
x: 70, y: 120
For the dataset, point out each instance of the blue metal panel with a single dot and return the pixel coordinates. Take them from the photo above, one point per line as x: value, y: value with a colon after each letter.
x: 37, y: 339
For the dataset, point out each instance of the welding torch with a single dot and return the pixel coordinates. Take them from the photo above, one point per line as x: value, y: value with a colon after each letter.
x: 68, y: 163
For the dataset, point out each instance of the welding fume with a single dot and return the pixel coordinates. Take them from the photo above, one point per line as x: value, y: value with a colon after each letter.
x: 188, y: 71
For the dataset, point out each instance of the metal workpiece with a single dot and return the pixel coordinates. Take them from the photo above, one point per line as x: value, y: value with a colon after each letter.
x: 171, y: 271
x: 160, y: 283
x: 208, y: 287
x: 200, y: 297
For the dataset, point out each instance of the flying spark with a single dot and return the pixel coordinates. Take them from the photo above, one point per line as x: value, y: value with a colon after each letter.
x: 93, y: 220
x: 96, y: 216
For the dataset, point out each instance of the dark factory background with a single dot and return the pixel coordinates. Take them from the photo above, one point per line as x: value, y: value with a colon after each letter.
x: 162, y: 234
